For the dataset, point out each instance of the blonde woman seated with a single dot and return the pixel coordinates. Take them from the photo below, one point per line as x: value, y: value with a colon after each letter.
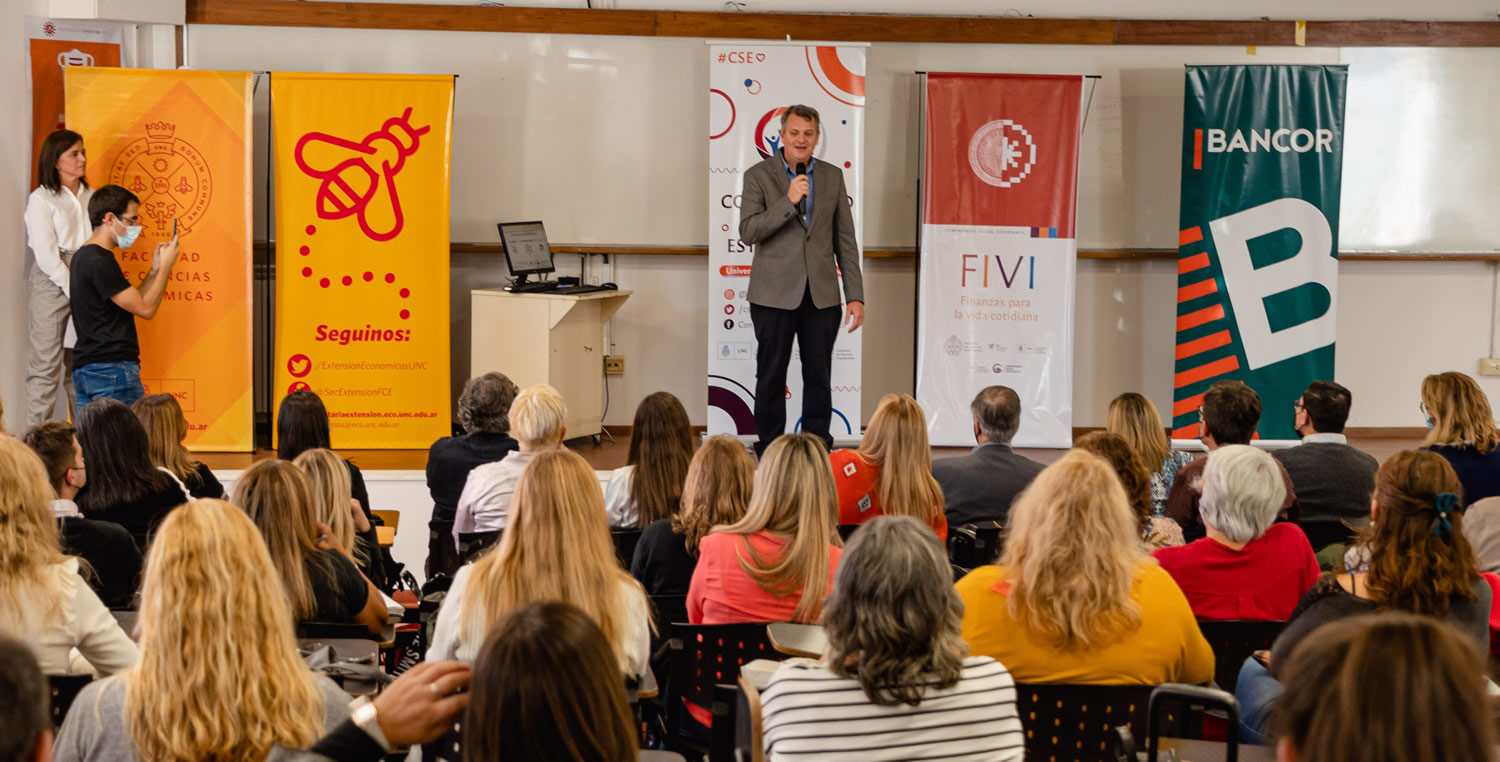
x: 775, y: 564
x: 166, y: 428
x: 43, y: 600
x: 891, y: 472
x: 321, y: 582
x: 335, y: 507
x: 1075, y: 599
x: 1463, y: 431
x: 556, y: 547
x: 538, y: 421
x: 716, y: 494
x: 1133, y: 417
x: 897, y: 682
x: 1155, y: 531
x: 219, y: 676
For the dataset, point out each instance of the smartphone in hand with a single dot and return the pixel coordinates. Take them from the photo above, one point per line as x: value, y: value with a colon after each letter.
x: 174, y: 228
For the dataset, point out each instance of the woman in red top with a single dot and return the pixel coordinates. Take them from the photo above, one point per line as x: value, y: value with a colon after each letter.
x: 891, y: 472
x: 1248, y: 567
x: 756, y: 570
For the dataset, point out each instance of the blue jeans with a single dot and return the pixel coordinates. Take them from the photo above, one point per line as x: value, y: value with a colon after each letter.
x: 1256, y: 690
x: 115, y: 380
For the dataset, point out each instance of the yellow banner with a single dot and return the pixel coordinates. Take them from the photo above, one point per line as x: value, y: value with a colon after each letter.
x: 362, y: 168
x: 180, y: 140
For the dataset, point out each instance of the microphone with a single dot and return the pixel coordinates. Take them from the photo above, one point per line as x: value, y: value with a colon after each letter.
x: 802, y: 203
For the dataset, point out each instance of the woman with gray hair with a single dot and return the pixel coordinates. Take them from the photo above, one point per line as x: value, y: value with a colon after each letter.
x: 484, y: 411
x: 897, y: 681
x: 1249, y: 566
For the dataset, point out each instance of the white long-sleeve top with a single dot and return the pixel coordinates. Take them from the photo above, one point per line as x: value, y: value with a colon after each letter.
x: 67, y: 616
x: 57, y: 222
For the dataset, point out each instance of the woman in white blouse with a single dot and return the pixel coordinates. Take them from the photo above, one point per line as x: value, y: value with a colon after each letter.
x: 43, y: 600
x: 57, y: 223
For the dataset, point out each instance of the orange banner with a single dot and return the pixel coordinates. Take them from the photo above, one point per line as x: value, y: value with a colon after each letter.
x: 180, y: 140
x: 362, y: 169
x: 54, y: 45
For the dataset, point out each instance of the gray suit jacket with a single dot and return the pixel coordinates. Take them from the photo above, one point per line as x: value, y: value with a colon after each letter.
x: 980, y: 486
x: 790, y: 258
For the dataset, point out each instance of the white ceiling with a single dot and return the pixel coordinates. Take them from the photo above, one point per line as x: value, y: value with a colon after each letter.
x: 1320, y: 10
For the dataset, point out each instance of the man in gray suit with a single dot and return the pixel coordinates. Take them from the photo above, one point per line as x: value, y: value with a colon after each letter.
x: 795, y: 211
x: 978, y: 488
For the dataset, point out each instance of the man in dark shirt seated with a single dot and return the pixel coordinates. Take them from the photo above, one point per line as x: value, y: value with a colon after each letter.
x: 979, y: 487
x: 1229, y: 415
x: 105, y: 545
x: 1334, y: 481
x: 484, y: 411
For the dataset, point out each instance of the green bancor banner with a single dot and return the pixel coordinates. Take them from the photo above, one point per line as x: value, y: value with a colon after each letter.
x: 1257, y: 258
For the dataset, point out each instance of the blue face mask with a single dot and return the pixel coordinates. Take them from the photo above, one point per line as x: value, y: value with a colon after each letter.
x: 1430, y: 423
x: 132, y: 232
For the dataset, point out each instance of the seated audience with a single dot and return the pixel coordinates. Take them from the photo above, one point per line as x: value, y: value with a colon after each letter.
x: 1419, y: 561
x: 1155, y: 531
x: 1075, y: 599
x: 123, y: 485
x: 333, y: 507
x: 775, y: 564
x: 897, y: 681
x: 484, y: 412
x: 219, y: 675
x: 1332, y: 479
x: 320, y: 581
x: 716, y: 493
x: 649, y: 487
x: 537, y: 418
x: 104, y: 545
x: 25, y: 725
x: 556, y: 546
x: 1482, y: 530
x: 1463, y: 432
x: 166, y: 428
x: 1229, y: 414
x: 978, y: 488
x: 43, y: 600
x: 546, y: 687
x: 1340, y: 707
x: 1248, y: 567
x: 302, y: 425
x: 891, y: 472
x: 1132, y: 416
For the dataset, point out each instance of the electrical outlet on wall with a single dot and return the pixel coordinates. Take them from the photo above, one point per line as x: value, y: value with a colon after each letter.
x: 1489, y: 366
x: 614, y: 365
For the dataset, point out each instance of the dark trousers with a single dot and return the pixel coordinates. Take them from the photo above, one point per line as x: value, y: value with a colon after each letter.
x: 814, y: 331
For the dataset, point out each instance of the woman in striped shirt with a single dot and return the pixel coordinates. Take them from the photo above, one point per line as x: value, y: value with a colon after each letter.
x: 897, y: 682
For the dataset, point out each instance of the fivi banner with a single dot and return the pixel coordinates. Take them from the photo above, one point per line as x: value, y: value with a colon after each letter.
x: 999, y: 252
x: 750, y: 85
x: 1257, y: 296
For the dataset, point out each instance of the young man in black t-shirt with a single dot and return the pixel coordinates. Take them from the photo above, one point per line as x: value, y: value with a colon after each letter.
x: 107, y: 358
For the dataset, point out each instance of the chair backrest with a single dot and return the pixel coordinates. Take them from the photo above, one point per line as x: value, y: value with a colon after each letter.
x: 847, y: 530
x: 64, y: 688
x: 750, y: 735
x: 709, y: 655
x: 334, y: 631
x: 971, y: 546
x: 392, y: 519
x: 472, y: 544
x: 625, y: 542
x: 1076, y: 722
x: 1233, y: 641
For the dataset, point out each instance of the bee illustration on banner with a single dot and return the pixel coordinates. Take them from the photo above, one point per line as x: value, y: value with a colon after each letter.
x: 359, y: 178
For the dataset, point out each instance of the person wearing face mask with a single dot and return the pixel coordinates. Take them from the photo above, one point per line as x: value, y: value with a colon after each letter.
x: 57, y: 223
x: 795, y: 212
x: 107, y: 360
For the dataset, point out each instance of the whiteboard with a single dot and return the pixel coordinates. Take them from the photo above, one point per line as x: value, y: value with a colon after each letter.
x: 603, y: 137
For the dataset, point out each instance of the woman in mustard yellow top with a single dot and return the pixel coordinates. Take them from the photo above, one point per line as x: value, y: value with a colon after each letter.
x: 1075, y: 599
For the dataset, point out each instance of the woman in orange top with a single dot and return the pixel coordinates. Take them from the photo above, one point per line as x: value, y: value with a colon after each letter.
x: 1075, y: 599
x: 891, y: 472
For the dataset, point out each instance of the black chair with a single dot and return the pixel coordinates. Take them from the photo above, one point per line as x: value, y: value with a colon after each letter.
x: 625, y: 542
x: 1077, y: 722
x: 64, y: 689
x: 472, y: 544
x: 706, y: 661
x: 1233, y: 641
x: 334, y: 631
x: 971, y: 546
x: 442, y: 553
x: 847, y: 530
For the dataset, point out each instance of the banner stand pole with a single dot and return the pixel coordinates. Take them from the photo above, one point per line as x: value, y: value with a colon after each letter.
x: 268, y: 319
x: 916, y: 315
